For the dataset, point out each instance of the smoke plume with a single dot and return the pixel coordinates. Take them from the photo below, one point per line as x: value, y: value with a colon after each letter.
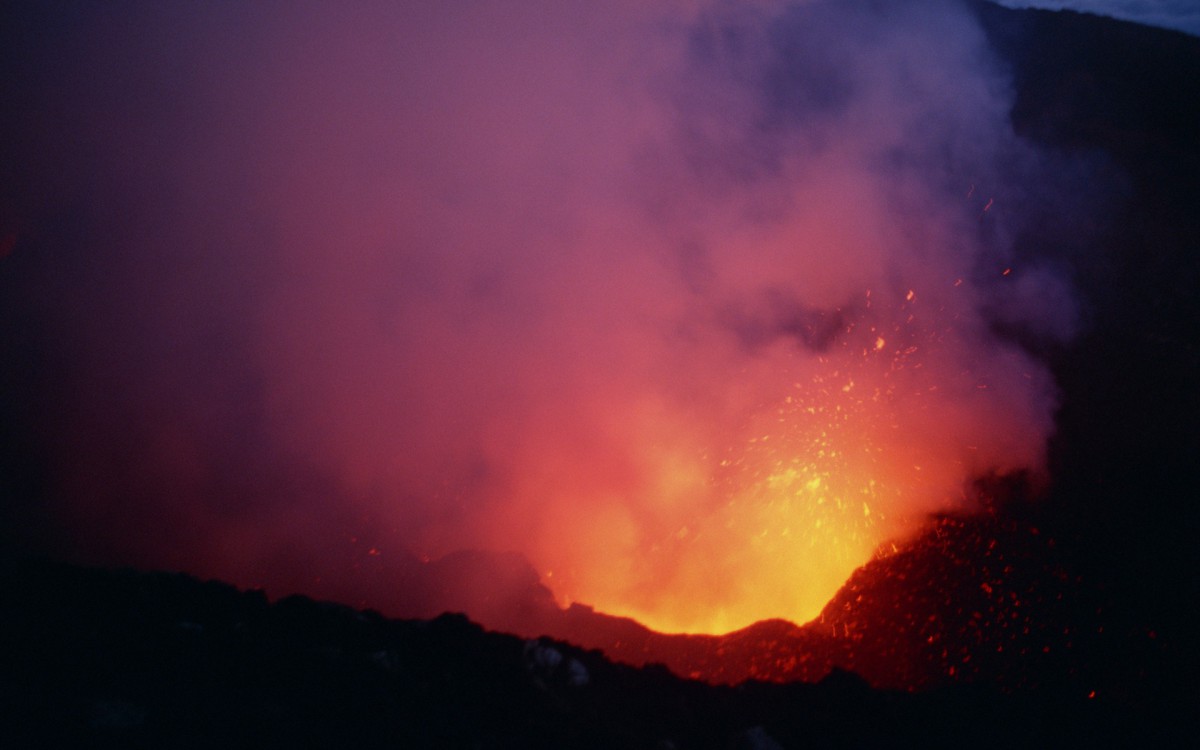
x: 696, y: 308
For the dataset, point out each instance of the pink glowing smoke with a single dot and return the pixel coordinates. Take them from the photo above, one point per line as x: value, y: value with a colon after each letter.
x: 693, y: 307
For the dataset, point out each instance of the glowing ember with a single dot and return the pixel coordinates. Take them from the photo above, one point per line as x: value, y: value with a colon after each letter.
x: 852, y: 458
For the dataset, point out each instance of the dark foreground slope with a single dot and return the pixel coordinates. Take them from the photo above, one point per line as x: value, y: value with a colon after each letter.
x: 124, y: 659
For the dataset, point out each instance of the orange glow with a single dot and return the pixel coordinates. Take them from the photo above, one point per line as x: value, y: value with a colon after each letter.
x: 849, y: 458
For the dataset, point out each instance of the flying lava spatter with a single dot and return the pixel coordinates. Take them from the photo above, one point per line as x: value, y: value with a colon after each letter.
x: 854, y: 458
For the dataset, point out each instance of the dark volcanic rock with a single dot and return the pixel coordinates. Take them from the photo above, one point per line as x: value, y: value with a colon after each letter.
x: 125, y: 659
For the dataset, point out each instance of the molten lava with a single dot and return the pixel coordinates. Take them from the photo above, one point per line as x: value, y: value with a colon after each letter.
x: 880, y: 429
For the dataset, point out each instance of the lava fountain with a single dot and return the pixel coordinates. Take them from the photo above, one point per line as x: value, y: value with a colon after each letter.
x: 884, y: 426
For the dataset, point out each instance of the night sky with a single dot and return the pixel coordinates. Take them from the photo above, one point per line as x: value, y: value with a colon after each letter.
x: 694, y: 307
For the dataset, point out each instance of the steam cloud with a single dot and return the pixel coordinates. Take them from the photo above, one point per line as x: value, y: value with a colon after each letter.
x: 588, y: 282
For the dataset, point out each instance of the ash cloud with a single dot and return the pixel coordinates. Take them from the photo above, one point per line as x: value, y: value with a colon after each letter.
x: 308, y: 282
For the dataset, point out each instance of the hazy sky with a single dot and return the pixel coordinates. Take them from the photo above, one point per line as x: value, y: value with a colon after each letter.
x: 1183, y: 15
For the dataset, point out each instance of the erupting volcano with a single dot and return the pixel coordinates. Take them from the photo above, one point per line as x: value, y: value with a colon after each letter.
x: 747, y: 323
